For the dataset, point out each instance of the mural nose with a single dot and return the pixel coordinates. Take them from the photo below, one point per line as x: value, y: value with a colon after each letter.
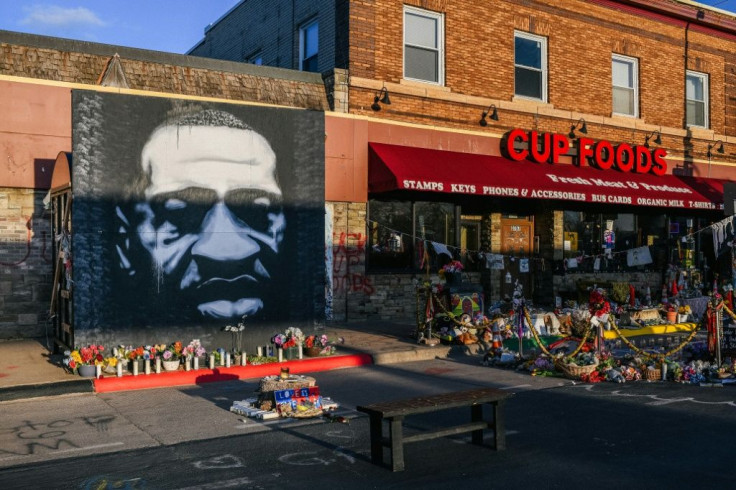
x: 222, y: 237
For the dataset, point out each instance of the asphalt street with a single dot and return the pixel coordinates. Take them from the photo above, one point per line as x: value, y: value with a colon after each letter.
x: 560, y: 435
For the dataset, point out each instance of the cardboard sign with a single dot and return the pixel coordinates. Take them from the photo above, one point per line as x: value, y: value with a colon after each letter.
x: 290, y: 401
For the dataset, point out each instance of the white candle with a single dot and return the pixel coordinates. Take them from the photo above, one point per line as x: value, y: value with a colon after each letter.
x: 187, y: 364
x: 119, y: 367
x: 243, y: 359
x: 222, y: 358
x: 98, y: 371
x: 158, y: 365
x: 196, y: 363
x: 301, y: 351
x: 212, y: 362
x: 281, y: 354
x: 135, y: 367
x: 147, y: 364
x: 227, y: 359
x: 259, y: 351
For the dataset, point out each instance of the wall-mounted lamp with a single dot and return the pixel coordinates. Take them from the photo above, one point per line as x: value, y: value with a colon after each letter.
x: 657, y: 140
x: 381, y: 97
x: 580, y: 126
x: 719, y: 149
x: 493, y: 115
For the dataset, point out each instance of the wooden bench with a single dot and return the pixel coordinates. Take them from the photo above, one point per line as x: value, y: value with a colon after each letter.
x: 395, y: 411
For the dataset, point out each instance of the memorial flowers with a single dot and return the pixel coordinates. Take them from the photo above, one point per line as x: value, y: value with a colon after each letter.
x: 452, y: 266
x: 171, y: 352
x: 320, y: 343
x: 236, y: 332
x: 194, y: 349
x: 292, y: 337
x: 91, y: 355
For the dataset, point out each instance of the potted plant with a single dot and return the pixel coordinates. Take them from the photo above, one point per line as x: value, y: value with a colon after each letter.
x: 236, y: 333
x: 171, y: 356
x: 83, y: 360
x: 671, y: 312
x: 318, y: 345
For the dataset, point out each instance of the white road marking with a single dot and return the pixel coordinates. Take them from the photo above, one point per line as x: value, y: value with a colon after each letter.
x: 97, y: 446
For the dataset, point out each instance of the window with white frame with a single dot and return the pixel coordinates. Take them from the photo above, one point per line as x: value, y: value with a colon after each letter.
x: 530, y: 66
x: 424, y: 51
x: 308, y: 46
x: 625, y: 81
x: 696, y: 93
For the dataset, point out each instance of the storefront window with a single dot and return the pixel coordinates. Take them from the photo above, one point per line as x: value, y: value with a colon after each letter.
x: 394, y: 244
x: 389, y: 238
x: 602, y: 242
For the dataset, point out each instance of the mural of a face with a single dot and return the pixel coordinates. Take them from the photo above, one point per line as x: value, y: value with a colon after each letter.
x: 212, y: 220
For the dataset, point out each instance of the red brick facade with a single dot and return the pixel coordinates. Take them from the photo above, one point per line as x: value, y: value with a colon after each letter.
x: 582, y: 36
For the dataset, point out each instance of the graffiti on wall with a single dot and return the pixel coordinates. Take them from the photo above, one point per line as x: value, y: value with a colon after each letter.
x: 18, y: 255
x: 192, y: 214
x: 349, y: 252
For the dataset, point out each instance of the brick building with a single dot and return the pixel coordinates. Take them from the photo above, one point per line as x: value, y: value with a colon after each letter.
x: 461, y: 76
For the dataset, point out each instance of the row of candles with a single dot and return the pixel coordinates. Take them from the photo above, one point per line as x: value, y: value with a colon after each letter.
x: 226, y: 360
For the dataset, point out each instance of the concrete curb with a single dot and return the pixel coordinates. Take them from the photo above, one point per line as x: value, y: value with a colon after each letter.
x: 46, y: 389
x: 414, y: 354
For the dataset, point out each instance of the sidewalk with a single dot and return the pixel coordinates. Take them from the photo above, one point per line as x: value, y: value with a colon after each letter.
x: 28, y: 369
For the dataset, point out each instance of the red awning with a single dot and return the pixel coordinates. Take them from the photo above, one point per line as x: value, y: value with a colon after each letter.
x: 393, y: 167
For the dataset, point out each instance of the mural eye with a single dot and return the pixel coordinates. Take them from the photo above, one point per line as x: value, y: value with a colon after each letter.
x: 253, y: 208
x: 182, y: 217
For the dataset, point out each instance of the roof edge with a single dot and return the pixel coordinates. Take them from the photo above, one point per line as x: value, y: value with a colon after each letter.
x: 161, y: 57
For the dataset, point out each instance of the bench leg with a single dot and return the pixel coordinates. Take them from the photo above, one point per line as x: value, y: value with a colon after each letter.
x: 397, y: 444
x: 499, y: 426
x: 476, y: 415
x: 376, y: 431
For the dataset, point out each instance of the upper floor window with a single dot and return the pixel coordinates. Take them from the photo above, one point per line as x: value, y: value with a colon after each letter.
x: 308, y: 46
x: 696, y: 93
x: 624, y: 78
x: 424, y: 42
x: 530, y: 66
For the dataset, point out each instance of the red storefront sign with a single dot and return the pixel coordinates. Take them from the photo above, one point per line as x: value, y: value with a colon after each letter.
x: 602, y: 154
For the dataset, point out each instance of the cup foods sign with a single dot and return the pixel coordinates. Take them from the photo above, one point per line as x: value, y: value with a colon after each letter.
x: 628, y: 174
x: 602, y: 154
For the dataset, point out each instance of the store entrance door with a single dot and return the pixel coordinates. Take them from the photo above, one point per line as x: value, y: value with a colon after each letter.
x: 517, y: 236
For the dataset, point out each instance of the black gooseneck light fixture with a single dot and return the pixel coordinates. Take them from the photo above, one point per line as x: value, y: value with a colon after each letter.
x: 657, y: 140
x: 491, y: 112
x: 381, y: 97
x: 580, y: 126
x: 718, y: 145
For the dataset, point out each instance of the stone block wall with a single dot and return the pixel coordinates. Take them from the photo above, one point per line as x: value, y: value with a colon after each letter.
x: 26, y: 263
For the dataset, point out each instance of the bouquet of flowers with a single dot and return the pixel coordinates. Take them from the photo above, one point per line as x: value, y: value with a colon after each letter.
x: 319, y: 344
x: 452, y: 266
x: 194, y: 349
x: 291, y: 338
x: 171, y: 352
x: 236, y: 332
x: 84, y: 356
